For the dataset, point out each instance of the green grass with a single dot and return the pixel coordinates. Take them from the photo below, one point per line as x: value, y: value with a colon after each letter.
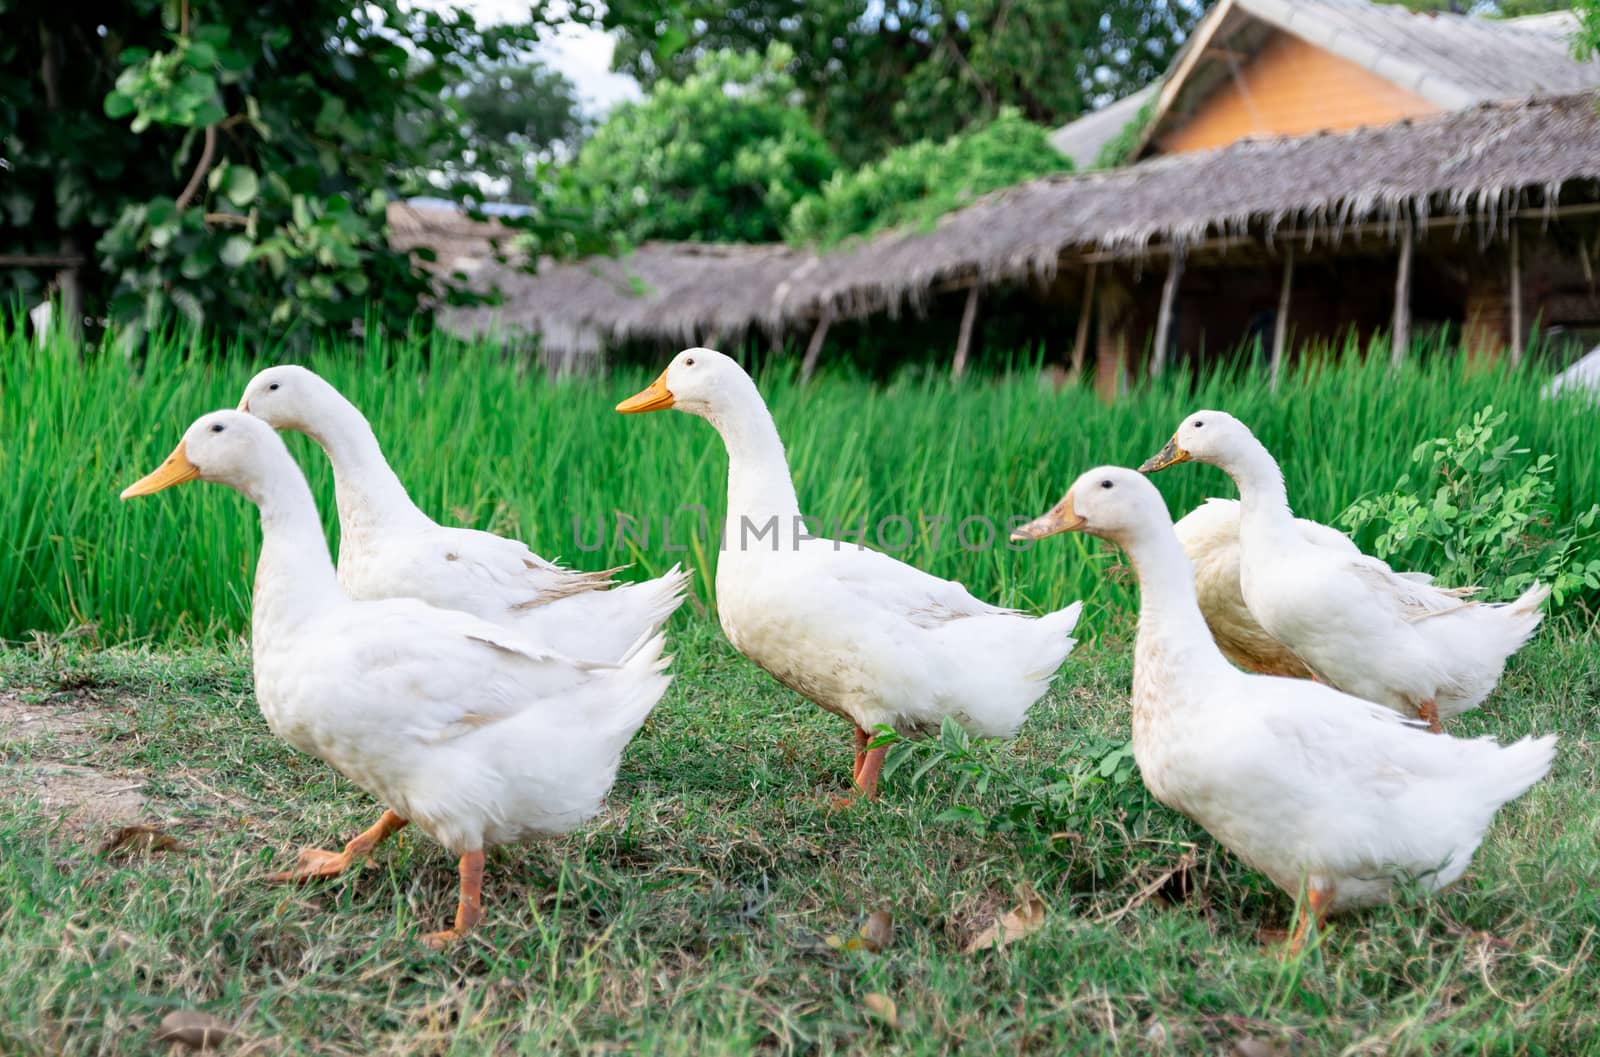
x: 481, y: 440
x: 691, y: 919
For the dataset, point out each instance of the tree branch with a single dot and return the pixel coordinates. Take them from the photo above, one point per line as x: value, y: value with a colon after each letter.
x: 193, y: 186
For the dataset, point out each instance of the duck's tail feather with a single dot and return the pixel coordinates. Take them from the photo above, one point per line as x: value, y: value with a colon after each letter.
x: 1481, y: 637
x: 637, y: 686
x: 1515, y: 768
x: 657, y: 599
x: 1053, y: 632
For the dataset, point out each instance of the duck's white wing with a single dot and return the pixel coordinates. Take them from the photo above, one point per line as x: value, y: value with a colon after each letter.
x: 1324, y: 536
x: 1310, y: 779
x: 464, y: 569
x: 465, y: 728
x: 1411, y: 596
x: 879, y: 580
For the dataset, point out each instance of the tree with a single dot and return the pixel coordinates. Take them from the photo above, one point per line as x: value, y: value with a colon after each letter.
x: 876, y: 75
x: 1491, y: 8
x: 722, y: 156
x: 516, y: 115
x: 231, y: 161
x: 921, y: 182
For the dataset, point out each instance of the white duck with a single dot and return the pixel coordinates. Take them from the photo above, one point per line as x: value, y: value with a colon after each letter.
x: 1388, y: 637
x: 1210, y: 537
x: 863, y: 636
x: 388, y: 548
x: 1318, y: 790
x: 452, y: 722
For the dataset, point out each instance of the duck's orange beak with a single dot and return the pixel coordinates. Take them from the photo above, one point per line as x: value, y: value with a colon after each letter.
x: 1061, y: 518
x: 176, y: 470
x: 1171, y: 455
x: 654, y: 397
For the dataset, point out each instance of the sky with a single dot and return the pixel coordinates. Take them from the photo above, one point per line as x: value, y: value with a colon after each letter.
x: 582, y: 53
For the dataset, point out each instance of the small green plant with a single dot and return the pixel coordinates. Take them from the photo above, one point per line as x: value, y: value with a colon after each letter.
x: 1489, y: 506
x: 1101, y: 783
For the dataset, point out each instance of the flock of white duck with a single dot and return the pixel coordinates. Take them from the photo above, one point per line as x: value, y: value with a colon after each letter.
x: 485, y: 694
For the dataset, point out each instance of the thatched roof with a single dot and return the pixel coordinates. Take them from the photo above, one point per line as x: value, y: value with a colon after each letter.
x: 459, y: 243
x: 680, y: 291
x: 1476, y: 163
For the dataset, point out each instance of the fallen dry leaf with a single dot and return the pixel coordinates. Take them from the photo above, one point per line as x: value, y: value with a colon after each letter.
x: 1026, y: 917
x: 192, y: 1028
x: 875, y: 935
x: 138, y: 840
x: 881, y: 1007
x: 877, y: 932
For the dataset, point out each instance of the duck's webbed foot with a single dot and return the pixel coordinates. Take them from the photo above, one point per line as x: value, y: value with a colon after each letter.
x: 316, y: 863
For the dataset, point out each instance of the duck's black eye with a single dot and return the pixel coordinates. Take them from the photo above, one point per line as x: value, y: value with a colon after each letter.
x: 689, y: 362
x: 1105, y: 484
x: 218, y: 428
x: 1198, y: 423
x: 273, y: 387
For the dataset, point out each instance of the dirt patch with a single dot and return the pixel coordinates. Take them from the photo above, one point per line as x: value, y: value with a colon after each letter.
x: 39, y: 741
x: 24, y: 721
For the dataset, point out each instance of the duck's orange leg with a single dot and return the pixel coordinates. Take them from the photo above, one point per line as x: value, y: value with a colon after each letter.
x: 315, y: 863
x: 469, y: 911
x: 861, y: 781
x: 1312, y: 914
x: 867, y: 775
x: 1429, y: 710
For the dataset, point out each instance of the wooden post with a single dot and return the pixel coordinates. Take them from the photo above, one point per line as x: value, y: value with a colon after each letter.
x: 1400, y: 333
x: 1080, y: 346
x: 1485, y: 330
x: 964, y: 340
x: 814, y: 346
x: 1516, y: 296
x: 1115, y: 306
x: 1169, y: 293
x: 1280, y: 326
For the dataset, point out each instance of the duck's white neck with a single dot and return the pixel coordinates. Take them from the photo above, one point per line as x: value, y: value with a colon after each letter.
x: 759, y: 485
x: 1263, y: 499
x: 369, y: 495
x: 295, y: 578
x: 1173, y: 636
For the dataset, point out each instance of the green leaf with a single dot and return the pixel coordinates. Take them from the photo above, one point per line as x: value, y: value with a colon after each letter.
x: 200, y: 56
x: 209, y: 113
x: 196, y: 264
x: 241, y: 185
x: 118, y: 106
x: 235, y: 251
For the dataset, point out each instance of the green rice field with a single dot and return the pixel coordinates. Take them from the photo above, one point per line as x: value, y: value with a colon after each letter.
x: 481, y: 440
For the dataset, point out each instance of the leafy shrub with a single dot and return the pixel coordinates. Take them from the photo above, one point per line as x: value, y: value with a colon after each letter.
x: 722, y: 157
x: 923, y: 181
x: 1489, y: 508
